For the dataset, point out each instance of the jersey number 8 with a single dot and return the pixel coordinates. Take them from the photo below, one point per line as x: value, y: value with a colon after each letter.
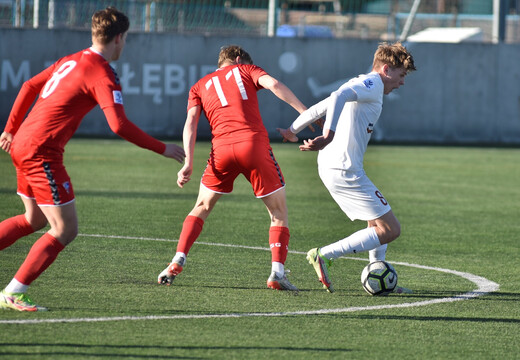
x: 53, y: 82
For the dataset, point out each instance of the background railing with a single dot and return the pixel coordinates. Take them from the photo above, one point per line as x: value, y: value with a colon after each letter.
x: 366, y: 19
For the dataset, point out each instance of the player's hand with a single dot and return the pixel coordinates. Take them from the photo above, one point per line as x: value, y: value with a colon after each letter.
x: 319, y: 142
x: 287, y: 135
x: 174, y: 152
x: 5, y: 141
x: 315, y: 144
x: 184, y: 175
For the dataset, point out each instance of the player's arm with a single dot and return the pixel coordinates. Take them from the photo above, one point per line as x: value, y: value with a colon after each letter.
x: 126, y: 129
x: 25, y: 98
x: 189, y: 137
x: 281, y: 91
x: 338, y: 99
x: 306, y: 118
x: 334, y: 107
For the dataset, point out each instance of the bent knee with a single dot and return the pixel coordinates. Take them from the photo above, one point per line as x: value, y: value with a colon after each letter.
x: 36, y: 222
x: 65, y: 234
x: 396, y: 231
x: 71, y: 232
x: 389, y: 234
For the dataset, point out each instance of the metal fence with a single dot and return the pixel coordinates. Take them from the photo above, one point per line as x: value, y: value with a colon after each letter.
x: 367, y: 19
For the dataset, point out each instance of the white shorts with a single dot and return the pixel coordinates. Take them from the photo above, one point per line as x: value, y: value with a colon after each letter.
x: 355, y: 194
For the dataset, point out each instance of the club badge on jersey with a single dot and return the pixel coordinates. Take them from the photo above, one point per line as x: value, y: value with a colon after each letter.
x: 118, y: 97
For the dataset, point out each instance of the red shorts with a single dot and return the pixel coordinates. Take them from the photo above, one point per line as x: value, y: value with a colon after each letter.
x: 253, y: 159
x: 46, y: 182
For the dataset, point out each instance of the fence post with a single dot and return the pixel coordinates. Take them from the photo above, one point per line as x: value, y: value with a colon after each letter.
x: 499, y: 21
x: 51, y: 14
x: 36, y: 14
x: 272, y: 18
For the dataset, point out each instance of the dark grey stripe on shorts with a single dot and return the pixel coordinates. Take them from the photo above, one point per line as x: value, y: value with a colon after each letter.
x: 52, y: 183
x: 277, y: 167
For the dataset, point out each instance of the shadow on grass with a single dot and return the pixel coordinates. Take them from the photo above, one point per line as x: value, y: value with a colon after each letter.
x: 132, y: 194
x: 119, y: 194
x: 432, y: 318
x: 295, y: 351
x: 137, y: 194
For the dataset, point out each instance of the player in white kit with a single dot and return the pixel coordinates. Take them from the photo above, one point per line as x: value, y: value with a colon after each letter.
x: 351, y: 113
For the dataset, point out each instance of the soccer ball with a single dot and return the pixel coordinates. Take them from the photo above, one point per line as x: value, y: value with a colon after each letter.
x: 379, y: 278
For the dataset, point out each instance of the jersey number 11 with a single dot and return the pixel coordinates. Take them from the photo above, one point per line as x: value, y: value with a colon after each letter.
x: 218, y: 88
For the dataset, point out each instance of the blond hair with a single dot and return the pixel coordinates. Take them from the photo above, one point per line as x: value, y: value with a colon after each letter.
x: 394, y: 55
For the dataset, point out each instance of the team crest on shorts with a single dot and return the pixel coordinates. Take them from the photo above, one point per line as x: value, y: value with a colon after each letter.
x: 66, y: 186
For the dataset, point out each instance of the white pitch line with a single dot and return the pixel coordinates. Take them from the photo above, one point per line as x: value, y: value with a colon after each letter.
x: 171, y: 240
x: 485, y: 286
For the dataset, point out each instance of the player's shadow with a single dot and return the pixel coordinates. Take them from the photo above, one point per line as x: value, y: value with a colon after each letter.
x: 433, y: 318
x: 181, y: 195
x: 133, y: 194
x: 114, y: 351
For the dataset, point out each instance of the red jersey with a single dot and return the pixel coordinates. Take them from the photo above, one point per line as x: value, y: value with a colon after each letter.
x: 229, y: 100
x: 68, y: 90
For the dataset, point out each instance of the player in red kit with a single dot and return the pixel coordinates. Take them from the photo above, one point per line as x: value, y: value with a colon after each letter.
x: 240, y: 145
x: 67, y: 91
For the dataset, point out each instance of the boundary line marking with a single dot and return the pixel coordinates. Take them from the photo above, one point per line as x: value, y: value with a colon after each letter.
x: 484, y: 286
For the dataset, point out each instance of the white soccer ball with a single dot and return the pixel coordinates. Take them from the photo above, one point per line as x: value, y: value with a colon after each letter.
x: 379, y: 278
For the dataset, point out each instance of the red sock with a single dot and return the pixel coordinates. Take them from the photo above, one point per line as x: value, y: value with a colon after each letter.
x: 42, y: 254
x: 191, y: 229
x: 13, y: 229
x: 279, y: 243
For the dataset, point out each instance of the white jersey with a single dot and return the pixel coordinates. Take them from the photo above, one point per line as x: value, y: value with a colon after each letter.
x: 355, y: 125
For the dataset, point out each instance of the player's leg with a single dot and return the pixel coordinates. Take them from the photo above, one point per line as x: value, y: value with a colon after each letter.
x: 63, y: 221
x: 276, y: 205
x: 50, y: 185
x: 388, y: 229
x: 64, y: 228
x: 375, y: 238
x: 380, y: 231
x: 191, y: 229
x: 263, y: 172
x: 194, y: 222
x: 279, y: 235
x: 218, y: 179
x: 379, y: 253
x: 278, y: 230
x: 19, y: 226
x: 359, y: 199
x: 367, y: 239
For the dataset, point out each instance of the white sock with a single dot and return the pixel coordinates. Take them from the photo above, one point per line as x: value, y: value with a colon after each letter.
x: 179, y: 258
x: 379, y: 253
x: 16, y: 287
x: 278, y: 268
x: 360, y: 241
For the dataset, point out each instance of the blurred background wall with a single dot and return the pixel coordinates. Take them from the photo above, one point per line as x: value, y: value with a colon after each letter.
x: 465, y: 90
